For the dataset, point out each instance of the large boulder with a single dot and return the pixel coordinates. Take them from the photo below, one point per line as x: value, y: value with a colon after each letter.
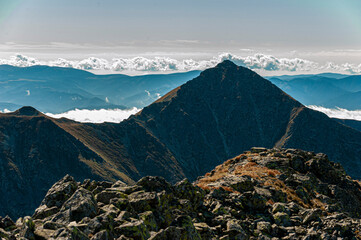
x: 60, y: 192
x: 81, y: 204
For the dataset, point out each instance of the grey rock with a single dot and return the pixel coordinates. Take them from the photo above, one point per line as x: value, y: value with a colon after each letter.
x: 60, y: 192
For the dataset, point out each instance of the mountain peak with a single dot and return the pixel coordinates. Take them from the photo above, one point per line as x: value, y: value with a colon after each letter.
x: 226, y: 64
x: 27, y: 111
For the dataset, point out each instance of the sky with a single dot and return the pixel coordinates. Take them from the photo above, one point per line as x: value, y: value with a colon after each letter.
x: 319, y: 31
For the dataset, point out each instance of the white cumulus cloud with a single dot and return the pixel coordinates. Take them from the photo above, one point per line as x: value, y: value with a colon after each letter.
x: 96, y: 116
x: 257, y: 61
x: 338, y: 112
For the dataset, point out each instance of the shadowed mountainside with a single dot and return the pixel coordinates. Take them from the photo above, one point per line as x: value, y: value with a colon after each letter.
x: 224, y: 111
x: 186, y: 133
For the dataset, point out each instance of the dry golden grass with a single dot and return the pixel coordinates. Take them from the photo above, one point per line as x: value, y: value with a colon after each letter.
x: 316, y: 203
x: 281, y: 186
x: 266, y: 176
x: 253, y: 170
x: 219, y: 172
x: 358, y: 234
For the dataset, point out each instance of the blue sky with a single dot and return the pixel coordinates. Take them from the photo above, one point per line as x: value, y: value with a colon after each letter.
x: 317, y: 30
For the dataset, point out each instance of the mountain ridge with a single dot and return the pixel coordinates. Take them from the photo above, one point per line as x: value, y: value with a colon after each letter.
x: 217, y: 115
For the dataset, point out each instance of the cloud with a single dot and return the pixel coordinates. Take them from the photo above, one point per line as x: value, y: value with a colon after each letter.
x: 97, y: 116
x: 256, y: 62
x: 338, y: 112
x: 5, y: 111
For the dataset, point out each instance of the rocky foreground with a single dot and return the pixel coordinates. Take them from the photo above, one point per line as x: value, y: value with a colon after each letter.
x: 260, y: 194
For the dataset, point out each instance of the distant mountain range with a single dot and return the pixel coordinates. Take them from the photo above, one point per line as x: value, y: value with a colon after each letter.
x: 186, y: 133
x: 56, y: 90
x: 328, y: 89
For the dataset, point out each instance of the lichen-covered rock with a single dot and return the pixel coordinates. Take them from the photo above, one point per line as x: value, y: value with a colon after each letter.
x: 28, y: 228
x: 108, y: 194
x: 149, y: 220
x: 264, y: 227
x: 154, y: 184
x: 60, y: 192
x: 7, y: 223
x: 186, y: 190
x: 312, y: 215
x: 181, y: 228
x: 43, y: 212
x: 136, y: 230
x: 81, y: 204
x: 205, y: 231
x: 102, y: 235
x: 282, y: 218
x: 143, y: 201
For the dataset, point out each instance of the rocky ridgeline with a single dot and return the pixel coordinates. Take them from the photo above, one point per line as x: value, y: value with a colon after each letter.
x: 261, y: 194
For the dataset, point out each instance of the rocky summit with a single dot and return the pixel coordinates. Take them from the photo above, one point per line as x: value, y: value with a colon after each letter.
x: 260, y: 194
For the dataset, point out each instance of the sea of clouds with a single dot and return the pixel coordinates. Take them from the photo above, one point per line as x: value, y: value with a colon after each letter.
x: 97, y: 116
x: 118, y: 115
x: 339, y: 112
x: 163, y: 64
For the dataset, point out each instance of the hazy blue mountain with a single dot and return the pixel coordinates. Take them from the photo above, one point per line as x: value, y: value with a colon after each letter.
x: 351, y: 83
x: 291, y: 77
x: 328, y: 89
x: 135, y: 91
x: 311, y: 91
x: 350, y: 101
x: 55, y: 89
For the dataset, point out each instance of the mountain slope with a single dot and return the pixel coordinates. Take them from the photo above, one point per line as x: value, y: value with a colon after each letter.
x: 351, y: 123
x: 35, y: 152
x: 224, y: 111
x: 186, y: 133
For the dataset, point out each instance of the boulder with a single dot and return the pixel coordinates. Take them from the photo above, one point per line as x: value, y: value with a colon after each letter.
x: 60, y: 192
x: 81, y: 204
x: 136, y: 230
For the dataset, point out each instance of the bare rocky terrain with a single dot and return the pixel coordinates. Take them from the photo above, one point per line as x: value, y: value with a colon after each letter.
x: 260, y: 194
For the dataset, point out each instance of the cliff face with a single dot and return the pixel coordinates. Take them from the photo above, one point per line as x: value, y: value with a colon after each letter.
x: 260, y: 194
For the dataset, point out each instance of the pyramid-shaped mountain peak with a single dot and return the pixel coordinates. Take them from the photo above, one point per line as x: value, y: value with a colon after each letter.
x: 27, y: 111
x: 226, y: 63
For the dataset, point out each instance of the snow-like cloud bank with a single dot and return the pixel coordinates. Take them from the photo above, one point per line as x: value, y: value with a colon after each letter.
x: 339, y: 112
x: 163, y: 64
x: 96, y: 116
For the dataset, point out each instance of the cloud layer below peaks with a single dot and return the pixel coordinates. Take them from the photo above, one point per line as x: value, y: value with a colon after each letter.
x: 258, y: 61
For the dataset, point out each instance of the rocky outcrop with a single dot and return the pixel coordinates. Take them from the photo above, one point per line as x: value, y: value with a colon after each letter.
x: 260, y: 194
